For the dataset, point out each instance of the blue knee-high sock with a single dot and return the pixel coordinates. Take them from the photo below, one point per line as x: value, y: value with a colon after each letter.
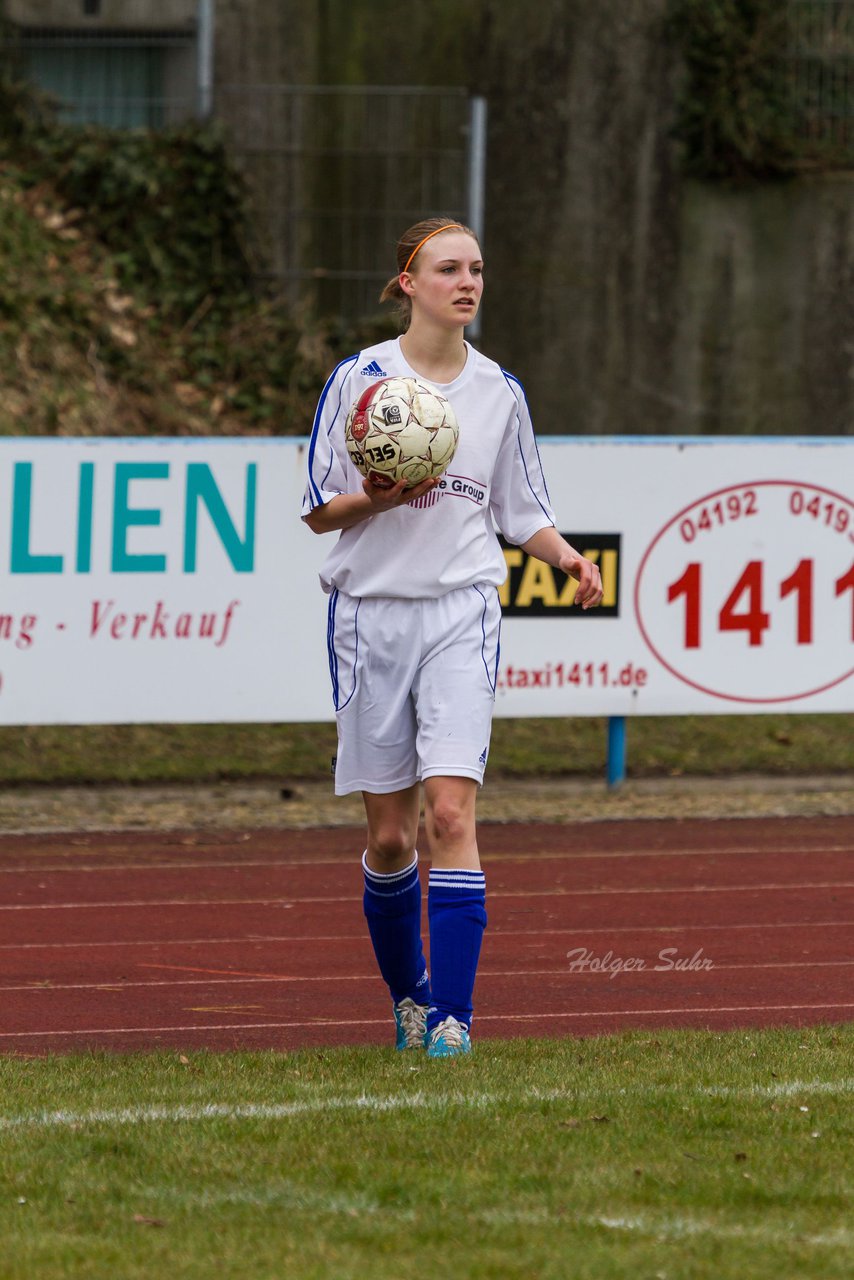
x: 392, y: 906
x: 456, y: 906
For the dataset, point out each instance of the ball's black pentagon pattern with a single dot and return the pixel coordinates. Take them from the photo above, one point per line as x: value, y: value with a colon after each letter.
x: 401, y: 429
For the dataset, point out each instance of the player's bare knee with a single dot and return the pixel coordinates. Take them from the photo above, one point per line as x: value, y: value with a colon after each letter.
x: 448, y: 821
x: 389, y: 847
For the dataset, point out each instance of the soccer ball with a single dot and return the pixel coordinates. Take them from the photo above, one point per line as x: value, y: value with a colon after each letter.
x: 401, y: 429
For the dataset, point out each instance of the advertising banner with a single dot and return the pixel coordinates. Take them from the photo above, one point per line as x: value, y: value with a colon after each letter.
x: 157, y: 580
x: 728, y: 569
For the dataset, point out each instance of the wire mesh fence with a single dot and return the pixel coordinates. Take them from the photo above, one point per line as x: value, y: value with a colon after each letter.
x: 822, y: 70
x: 336, y: 173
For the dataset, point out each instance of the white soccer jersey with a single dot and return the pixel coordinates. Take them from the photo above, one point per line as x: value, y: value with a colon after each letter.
x: 445, y: 539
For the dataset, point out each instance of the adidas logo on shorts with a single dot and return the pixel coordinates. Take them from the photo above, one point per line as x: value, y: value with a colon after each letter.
x: 373, y: 370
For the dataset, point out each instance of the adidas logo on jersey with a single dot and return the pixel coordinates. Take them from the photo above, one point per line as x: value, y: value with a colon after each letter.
x: 373, y: 370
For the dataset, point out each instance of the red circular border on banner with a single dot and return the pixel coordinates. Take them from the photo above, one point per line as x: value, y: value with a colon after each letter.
x: 714, y: 693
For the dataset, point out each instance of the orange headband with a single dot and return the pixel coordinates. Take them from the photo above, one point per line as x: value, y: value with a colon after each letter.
x: 451, y: 226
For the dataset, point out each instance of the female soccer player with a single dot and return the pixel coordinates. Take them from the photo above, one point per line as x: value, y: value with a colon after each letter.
x: 413, y: 625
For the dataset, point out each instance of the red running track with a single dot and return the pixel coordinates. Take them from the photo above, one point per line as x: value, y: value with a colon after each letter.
x: 256, y: 940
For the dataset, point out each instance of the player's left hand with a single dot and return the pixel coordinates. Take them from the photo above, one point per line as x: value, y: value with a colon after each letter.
x: 396, y: 495
x: 589, y: 591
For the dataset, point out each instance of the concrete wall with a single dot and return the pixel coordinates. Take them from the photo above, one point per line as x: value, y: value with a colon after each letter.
x: 646, y: 303
x: 259, y: 42
x: 626, y: 299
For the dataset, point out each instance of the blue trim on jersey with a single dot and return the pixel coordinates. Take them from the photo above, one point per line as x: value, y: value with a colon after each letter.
x: 493, y: 679
x: 316, y: 425
x: 509, y: 378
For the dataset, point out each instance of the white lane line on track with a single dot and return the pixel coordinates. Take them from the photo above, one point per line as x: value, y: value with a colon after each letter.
x: 345, y: 860
x: 300, y: 939
x: 503, y: 1018
x: 248, y: 980
x: 296, y: 901
x: 389, y: 1102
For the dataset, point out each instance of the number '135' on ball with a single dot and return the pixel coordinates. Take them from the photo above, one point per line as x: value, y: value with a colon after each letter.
x: 401, y: 429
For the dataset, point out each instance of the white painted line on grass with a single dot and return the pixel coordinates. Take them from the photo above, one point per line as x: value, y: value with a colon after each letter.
x: 276, y: 1111
x: 683, y: 1226
x: 291, y: 1196
x: 781, y: 1089
x: 673, y: 1228
x: 379, y: 1104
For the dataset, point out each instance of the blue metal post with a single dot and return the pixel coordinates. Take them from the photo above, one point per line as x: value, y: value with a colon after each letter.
x: 616, y: 769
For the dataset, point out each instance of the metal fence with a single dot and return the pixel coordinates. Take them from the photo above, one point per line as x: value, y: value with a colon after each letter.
x: 336, y: 173
x: 822, y: 67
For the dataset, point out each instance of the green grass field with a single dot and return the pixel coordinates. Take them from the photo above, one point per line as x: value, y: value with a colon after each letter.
x: 657, y: 746
x: 666, y: 1154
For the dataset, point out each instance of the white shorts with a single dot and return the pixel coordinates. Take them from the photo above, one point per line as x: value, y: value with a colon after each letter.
x: 413, y: 682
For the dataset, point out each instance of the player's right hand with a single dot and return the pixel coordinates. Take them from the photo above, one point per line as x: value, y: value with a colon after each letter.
x: 398, y: 496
